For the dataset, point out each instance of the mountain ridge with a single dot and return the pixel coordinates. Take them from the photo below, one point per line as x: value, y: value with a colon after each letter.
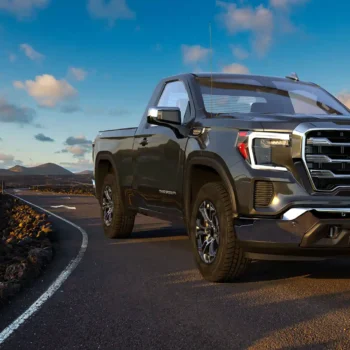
x: 42, y: 169
x: 84, y: 172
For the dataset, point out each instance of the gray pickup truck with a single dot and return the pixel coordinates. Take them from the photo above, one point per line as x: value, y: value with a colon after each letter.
x: 256, y: 167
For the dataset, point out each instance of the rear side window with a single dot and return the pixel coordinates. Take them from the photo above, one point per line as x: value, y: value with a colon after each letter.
x: 175, y: 95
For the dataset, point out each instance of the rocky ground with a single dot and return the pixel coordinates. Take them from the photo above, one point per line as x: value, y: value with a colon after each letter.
x: 25, y: 245
x: 73, y: 189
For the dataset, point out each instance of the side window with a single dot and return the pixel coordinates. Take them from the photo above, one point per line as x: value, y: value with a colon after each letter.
x: 175, y: 95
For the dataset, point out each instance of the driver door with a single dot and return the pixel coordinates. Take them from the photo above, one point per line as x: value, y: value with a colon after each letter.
x: 160, y: 157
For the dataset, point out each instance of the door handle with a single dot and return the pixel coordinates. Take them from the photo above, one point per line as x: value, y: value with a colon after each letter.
x: 144, y: 142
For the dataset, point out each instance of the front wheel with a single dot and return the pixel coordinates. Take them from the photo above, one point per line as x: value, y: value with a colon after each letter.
x: 117, y: 222
x: 217, y: 252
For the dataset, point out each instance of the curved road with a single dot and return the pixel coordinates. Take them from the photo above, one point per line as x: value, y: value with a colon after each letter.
x: 145, y: 293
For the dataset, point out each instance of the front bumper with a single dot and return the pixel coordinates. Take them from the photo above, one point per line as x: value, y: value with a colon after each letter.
x: 300, y: 231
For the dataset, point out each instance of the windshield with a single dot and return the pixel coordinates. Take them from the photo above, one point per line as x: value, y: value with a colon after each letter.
x: 267, y: 96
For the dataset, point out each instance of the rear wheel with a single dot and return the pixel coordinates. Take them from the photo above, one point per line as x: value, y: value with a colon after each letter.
x: 216, y: 248
x: 117, y: 222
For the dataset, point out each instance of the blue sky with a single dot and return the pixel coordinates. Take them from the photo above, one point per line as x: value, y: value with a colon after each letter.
x: 72, y: 68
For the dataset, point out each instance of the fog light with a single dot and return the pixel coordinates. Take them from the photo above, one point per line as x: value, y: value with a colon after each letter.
x: 334, y: 232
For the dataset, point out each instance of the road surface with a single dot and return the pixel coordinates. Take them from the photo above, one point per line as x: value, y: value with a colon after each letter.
x: 145, y: 293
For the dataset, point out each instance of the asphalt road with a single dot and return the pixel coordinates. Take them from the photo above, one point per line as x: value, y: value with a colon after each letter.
x: 145, y: 293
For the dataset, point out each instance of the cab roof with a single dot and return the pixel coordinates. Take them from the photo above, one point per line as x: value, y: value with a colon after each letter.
x: 217, y: 76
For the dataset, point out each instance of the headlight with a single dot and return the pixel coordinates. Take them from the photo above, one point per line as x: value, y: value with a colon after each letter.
x: 264, y: 150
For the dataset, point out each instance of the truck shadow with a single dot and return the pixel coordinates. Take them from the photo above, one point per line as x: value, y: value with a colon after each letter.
x: 275, y: 270
x: 153, y: 236
x: 277, y: 306
x: 152, y: 231
x: 159, y: 232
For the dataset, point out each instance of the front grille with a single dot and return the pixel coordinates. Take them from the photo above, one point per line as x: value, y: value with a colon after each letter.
x: 263, y: 193
x: 327, y: 155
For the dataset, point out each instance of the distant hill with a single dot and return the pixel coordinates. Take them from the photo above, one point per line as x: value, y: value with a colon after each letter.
x: 18, y: 169
x: 5, y: 172
x: 43, y: 169
x: 85, y: 172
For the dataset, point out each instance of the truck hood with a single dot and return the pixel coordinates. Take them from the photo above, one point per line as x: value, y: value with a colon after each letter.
x: 290, y: 122
x: 286, y: 122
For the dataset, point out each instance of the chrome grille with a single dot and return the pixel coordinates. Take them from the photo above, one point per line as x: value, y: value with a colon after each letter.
x: 327, y: 156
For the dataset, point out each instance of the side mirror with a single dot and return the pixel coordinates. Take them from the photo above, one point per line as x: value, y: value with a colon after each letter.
x: 159, y: 115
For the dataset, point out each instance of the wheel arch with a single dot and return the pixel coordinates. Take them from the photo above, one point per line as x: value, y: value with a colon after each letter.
x: 219, y: 171
x: 104, y: 164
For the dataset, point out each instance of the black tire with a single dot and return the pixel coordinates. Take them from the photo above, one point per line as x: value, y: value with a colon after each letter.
x: 122, y: 222
x: 229, y: 263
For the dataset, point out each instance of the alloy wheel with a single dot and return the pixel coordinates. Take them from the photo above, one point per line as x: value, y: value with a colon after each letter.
x: 107, y: 205
x: 207, y: 232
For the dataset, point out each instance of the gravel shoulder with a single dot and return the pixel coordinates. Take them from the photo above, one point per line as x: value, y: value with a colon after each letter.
x: 66, y: 242
x: 86, y: 190
x: 25, y: 245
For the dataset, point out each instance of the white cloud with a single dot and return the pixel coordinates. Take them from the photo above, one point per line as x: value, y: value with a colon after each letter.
x: 261, y: 23
x: 78, y: 73
x: 12, y: 57
x: 285, y: 3
x: 78, y: 151
x: 194, y: 54
x: 43, y: 138
x: 344, y: 97
x: 22, y: 8
x: 6, y: 157
x: 239, y: 53
x: 47, y: 90
x: 11, y: 113
x: 258, y: 21
x: 110, y: 10
x: 78, y: 146
x: 78, y: 140
x: 31, y: 53
x: 8, y: 160
x: 235, y: 68
x: 282, y: 10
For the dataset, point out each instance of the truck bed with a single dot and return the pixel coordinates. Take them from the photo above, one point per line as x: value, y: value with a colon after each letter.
x: 117, y: 133
x: 118, y: 143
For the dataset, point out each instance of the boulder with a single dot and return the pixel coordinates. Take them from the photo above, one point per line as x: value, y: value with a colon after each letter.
x: 40, y: 256
x: 16, y: 272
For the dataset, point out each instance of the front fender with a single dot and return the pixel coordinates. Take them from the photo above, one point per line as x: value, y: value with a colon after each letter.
x: 216, y: 163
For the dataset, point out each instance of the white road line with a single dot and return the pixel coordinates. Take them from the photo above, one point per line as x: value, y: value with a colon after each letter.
x: 54, y: 286
x: 63, y: 206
